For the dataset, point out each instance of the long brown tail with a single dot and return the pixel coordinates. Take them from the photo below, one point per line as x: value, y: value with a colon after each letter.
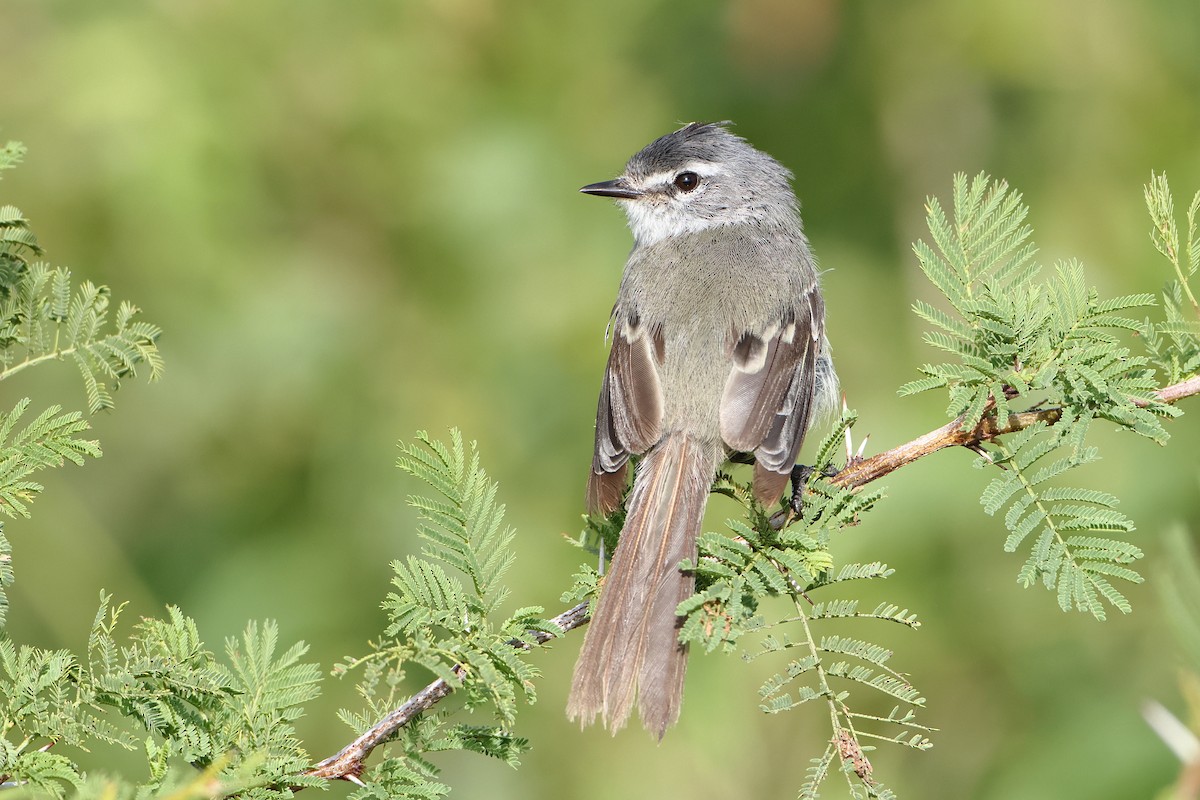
x: 632, y: 647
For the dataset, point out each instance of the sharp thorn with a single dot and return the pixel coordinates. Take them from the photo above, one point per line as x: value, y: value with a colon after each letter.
x: 977, y: 448
x: 1174, y: 734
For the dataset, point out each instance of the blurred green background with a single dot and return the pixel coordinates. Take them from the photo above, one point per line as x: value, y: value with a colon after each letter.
x: 355, y: 220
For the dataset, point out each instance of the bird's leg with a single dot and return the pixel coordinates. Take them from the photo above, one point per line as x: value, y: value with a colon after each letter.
x: 800, y: 475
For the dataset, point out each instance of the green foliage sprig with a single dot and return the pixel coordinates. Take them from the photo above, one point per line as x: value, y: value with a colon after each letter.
x: 234, y: 718
x: 211, y: 727
x: 11, y: 154
x: 207, y: 728
x: 445, y: 617
x: 738, y: 577
x: 1174, y: 343
x: 43, y: 318
x: 1054, y: 343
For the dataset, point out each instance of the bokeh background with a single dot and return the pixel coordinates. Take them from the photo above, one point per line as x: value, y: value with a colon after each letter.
x: 356, y: 220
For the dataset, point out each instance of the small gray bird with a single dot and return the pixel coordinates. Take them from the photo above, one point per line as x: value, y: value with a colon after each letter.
x: 718, y: 346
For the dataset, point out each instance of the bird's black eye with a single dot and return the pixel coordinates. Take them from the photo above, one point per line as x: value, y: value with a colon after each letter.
x: 687, y: 181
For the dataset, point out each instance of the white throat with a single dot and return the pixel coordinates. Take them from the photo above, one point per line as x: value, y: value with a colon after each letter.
x: 651, y: 224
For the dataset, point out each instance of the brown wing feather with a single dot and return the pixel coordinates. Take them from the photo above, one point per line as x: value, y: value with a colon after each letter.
x: 606, y: 481
x: 629, y: 414
x: 767, y: 404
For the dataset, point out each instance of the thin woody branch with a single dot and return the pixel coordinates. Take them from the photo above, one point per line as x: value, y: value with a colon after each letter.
x: 1175, y: 392
x: 860, y: 473
x: 348, y: 764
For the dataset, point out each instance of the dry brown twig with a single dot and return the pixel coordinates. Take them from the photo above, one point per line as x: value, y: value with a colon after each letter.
x: 349, y: 762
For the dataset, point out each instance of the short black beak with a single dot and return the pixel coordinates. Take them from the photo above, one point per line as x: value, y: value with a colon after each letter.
x: 617, y: 187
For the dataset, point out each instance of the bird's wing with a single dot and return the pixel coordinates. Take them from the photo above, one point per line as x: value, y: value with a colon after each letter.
x: 768, y: 398
x: 629, y: 414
